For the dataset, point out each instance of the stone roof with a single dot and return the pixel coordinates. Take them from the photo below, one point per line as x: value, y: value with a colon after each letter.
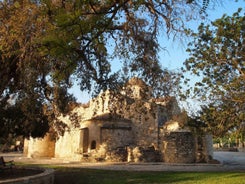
x: 110, y: 117
x: 136, y: 81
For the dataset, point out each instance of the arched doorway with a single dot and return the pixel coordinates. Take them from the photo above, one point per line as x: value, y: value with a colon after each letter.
x: 84, y: 142
x: 93, y: 145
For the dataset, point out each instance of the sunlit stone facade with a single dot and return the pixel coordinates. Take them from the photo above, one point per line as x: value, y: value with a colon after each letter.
x: 128, y: 126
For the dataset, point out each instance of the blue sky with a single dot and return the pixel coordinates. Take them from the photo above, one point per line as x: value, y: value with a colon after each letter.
x: 174, y: 55
x: 176, y: 51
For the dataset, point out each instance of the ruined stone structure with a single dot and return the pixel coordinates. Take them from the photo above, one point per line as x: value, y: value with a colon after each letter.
x: 127, y: 126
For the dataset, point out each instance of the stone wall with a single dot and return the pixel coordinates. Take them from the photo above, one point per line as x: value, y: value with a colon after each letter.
x: 111, y: 124
x: 141, y: 154
x: 67, y: 146
x: 179, y: 147
x: 26, y: 147
x: 204, y: 148
x: 209, y: 145
x: 144, y: 118
x: 103, y: 118
x: 42, y: 147
x: 116, y: 137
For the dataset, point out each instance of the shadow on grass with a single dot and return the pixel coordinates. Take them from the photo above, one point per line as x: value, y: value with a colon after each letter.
x: 18, y: 173
x: 91, y: 176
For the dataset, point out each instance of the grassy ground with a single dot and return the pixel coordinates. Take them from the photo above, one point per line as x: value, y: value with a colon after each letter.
x: 92, y: 176
x: 89, y: 176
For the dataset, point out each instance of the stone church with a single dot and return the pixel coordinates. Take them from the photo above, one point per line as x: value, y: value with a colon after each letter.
x: 129, y: 126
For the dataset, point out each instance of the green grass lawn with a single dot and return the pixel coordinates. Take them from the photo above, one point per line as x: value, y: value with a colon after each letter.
x: 90, y: 176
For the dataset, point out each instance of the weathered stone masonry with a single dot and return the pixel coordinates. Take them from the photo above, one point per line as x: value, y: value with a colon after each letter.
x: 128, y: 126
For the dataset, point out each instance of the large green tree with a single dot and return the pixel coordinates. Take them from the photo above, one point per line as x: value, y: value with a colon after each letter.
x: 217, y: 56
x: 46, y: 44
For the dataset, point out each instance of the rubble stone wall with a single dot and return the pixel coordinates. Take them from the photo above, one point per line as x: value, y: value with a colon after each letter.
x: 204, y: 148
x: 124, y: 126
x: 67, y: 146
x: 42, y: 147
x: 116, y: 138
x: 179, y: 147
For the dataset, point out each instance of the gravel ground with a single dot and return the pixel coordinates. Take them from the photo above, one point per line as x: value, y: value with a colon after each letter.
x: 229, y: 161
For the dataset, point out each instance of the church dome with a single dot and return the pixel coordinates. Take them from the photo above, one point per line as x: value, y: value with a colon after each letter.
x: 136, y: 88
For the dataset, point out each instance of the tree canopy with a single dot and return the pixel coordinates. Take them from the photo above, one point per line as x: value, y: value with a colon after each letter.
x: 46, y: 45
x: 217, y: 55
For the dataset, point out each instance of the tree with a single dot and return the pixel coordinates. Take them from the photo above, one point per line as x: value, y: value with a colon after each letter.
x: 21, y: 68
x: 25, y: 91
x: 91, y: 35
x: 217, y: 55
x: 45, y: 44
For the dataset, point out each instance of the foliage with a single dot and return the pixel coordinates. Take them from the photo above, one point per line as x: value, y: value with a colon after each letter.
x: 217, y: 56
x: 197, y: 125
x: 231, y: 139
x: 46, y: 44
x: 89, y: 36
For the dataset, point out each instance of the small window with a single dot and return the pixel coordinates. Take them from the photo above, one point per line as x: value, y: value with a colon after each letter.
x: 93, y: 144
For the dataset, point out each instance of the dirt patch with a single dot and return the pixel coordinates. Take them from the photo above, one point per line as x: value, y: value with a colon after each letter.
x: 18, y: 173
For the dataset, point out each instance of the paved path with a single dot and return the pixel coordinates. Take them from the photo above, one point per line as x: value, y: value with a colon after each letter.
x: 230, y: 161
x: 230, y: 158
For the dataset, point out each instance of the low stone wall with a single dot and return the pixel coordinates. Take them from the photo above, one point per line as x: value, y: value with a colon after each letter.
x: 144, y: 154
x: 46, y: 177
x: 39, y: 147
x: 204, y: 148
x: 179, y: 147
